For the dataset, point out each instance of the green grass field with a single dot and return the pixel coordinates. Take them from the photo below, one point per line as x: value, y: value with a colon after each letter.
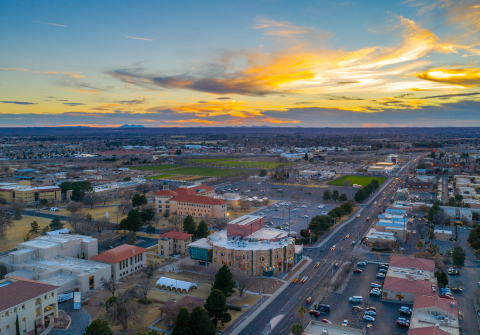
x: 164, y: 176
x: 208, y: 172
x: 235, y: 163
x: 155, y: 167
x: 360, y: 180
x: 210, y: 160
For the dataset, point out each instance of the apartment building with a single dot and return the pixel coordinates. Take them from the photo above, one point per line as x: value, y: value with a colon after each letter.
x: 124, y: 260
x: 29, y: 301
x: 27, y: 193
x: 174, y: 242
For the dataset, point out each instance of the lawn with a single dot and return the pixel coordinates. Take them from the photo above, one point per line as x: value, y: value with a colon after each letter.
x: 156, y: 167
x: 359, y: 180
x: 210, y: 160
x: 235, y: 163
x: 163, y: 176
x: 16, y: 234
x: 209, y: 172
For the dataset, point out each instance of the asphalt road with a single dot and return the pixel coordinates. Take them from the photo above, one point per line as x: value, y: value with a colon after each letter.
x: 285, y: 306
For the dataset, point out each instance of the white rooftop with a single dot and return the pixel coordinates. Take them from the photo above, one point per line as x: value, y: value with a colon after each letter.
x: 246, y: 219
x: 220, y: 239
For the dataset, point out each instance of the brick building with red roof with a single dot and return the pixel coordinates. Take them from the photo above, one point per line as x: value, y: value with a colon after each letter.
x: 196, y: 200
x: 124, y: 260
x: 398, y: 289
x: 174, y: 242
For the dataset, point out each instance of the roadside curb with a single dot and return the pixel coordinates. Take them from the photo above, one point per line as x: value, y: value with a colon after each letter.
x: 245, y: 323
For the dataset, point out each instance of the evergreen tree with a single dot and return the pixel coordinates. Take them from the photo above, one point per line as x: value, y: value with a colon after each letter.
x: 56, y: 223
x: 150, y: 229
x: 224, y: 281
x: 343, y: 197
x: 335, y: 195
x: 132, y: 222
x: 347, y: 207
x: 442, y: 278
x: 458, y: 256
x: 189, y: 225
x: 98, y: 327
x: 139, y: 200
x: 360, y: 196
x: 148, y: 214
x: 306, y: 156
x: 200, y: 323
x: 34, y: 228
x: 327, y: 195
x: 216, y: 306
x: 202, y: 230
x: 181, y: 326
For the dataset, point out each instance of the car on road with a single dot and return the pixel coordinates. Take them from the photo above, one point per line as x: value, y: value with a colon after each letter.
x: 357, y: 271
x: 361, y: 263
x: 358, y: 215
x: 54, y: 209
x: 353, y: 242
x: 380, y: 275
x: 368, y: 318
x: 457, y: 289
x: 324, y: 213
x: 372, y: 313
x: 304, y: 279
x: 320, y: 206
x: 297, y: 206
x: 294, y: 280
x: 414, y: 231
x: 348, y: 236
x: 309, y: 300
x: 345, y: 323
x: 326, y: 321
x: 355, y: 298
x: 375, y: 285
x: 305, y: 216
x: 317, y: 264
x: 314, y: 312
x: 333, y: 248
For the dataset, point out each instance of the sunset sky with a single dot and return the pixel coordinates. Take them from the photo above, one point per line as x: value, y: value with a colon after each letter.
x: 309, y: 63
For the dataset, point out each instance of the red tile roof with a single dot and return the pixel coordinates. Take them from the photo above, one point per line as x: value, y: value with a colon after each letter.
x: 21, y: 290
x: 411, y: 286
x: 423, y: 301
x: 412, y: 262
x: 194, y: 190
x: 177, y: 235
x: 198, y: 200
x: 427, y: 331
x: 118, y: 254
x: 166, y: 193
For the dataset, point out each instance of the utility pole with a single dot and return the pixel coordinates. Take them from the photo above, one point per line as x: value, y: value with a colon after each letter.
x: 116, y: 203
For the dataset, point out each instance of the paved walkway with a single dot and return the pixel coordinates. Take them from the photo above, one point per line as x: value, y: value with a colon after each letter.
x: 80, y: 320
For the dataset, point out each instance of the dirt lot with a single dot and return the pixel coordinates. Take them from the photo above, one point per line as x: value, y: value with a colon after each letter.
x: 17, y: 233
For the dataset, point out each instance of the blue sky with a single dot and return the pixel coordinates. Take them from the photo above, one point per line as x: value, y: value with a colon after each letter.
x: 230, y: 63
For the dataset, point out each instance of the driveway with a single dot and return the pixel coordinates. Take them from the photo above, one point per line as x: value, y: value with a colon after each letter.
x: 80, y: 320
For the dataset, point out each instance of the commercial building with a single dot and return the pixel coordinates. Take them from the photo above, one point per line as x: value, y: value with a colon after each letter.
x: 248, y: 247
x: 196, y: 200
x: 59, y: 260
x: 27, y: 193
x: 443, y: 235
x: 124, y: 260
x: 321, y: 328
x: 174, y: 242
x: 382, y: 168
x: 118, y: 189
x: 434, y: 315
x: 27, y: 301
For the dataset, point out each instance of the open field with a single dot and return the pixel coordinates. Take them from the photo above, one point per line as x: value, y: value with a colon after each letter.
x: 359, y: 180
x: 97, y: 212
x: 210, y: 160
x: 163, y: 176
x: 16, y: 234
x: 155, y: 167
x: 208, y: 172
x: 232, y: 162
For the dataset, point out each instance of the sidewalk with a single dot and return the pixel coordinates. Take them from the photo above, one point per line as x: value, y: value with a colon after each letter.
x: 245, y: 323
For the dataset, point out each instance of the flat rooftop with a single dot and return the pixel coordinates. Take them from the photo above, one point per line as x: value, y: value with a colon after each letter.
x: 220, y: 239
x: 416, y: 274
x: 246, y: 219
x: 423, y: 319
x: 317, y: 328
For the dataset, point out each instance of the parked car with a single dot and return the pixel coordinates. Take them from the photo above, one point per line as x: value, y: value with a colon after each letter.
x: 368, y: 318
x: 382, y: 271
x: 381, y: 275
x: 357, y: 271
x: 315, y: 312
x: 403, y: 324
x: 355, y: 298
x: 405, y: 310
x: 375, y: 285
x: 322, y: 308
x: 371, y: 308
x: 357, y: 308
x: 361, y: 263
x: 373, y: 313
x: 375, y: 293
x: 345, y: 323
x: 326, y: 321
x: 447, y: 296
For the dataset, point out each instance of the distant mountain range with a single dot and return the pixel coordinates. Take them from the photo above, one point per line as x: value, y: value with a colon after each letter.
x: 132, y: 126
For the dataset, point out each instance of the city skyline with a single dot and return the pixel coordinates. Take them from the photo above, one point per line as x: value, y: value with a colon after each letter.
x: 249, y: 63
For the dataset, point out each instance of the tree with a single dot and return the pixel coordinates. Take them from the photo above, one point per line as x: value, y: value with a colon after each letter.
x: 327, y: 195
x: 143, y: 188
x: 150, y: 229
x: 131, y: 237
x: 18, y: 207
x: 34, y: 228
x: 91, y: 199
x: 343, y: 197
x: 98, y: 327
x: 202, y: 230
x: 56, y: 223
x: 109, y: 284
x: 263, y: 173
x: 301, y: 312
x: 148, y: 214
x: 442, y: 278
x: 119, y: 308
x: 132, y: 222
x: 335, y: 195
x: 420, y: 245
x: 166, y: 214
x: 140, y: 291
x: 125, y: 206
x: 458, y: 256
x: 359, y: 195
x: 175, y: 220
x: 216, y: 306
x: 346, y: 183
x: 200, y: 323
x: 181, y: 325
x: 149, y: 270
x: 448, y: 253
x: 139, y: 200
x: 306, y: 156
x: 189, y: 225
x: 296, y: 329
x: 78, y: 189
x: 433, y: 249
x: 5, y: 221
x: 347, y: 207
x: 224, y: 281
x: 101, y: 224
x: 476, y: 253
x: 74, y: 207
x: 243, y: 281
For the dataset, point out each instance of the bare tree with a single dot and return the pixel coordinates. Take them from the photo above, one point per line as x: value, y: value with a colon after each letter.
x: 140, y: 291
x: 354, y: 257
x: 243, y: 281
x: 209, y: 273
x: 175, y: 220
x: 74, y: 207
x: 143, y: 188
x: 221, y: 223
x: 125, y: 206
x: 17, y: 207
x: 91, y: 199
x: 120, y: 308
x: 109, y: 284
x: 102, y: 224
x: 149, y: 270
x: 77, y: 221
x: 5, y: 221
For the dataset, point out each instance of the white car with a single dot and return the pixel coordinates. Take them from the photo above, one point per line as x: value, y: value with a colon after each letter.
x: 345, y: 323
x: 303, y: 206
x: 324, y: 213
x: 305, y: 216
x: 54, y: 209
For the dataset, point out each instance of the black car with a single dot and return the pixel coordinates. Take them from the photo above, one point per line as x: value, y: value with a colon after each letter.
x: 323, y: 308
x: 456, y: 289
x: 403, y: 324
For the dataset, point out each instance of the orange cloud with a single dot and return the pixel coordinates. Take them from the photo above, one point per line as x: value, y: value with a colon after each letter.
x: 70, y: 74
x: 462, y: 77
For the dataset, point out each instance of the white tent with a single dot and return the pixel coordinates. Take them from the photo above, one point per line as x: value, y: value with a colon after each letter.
x: 58, y: 232
x: 175, y: 285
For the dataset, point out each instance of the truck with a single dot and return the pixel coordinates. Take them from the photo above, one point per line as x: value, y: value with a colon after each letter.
x: 77, y: 300
x: 64, y: 297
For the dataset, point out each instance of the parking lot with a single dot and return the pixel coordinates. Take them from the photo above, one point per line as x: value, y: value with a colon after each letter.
x: 359, y: 284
